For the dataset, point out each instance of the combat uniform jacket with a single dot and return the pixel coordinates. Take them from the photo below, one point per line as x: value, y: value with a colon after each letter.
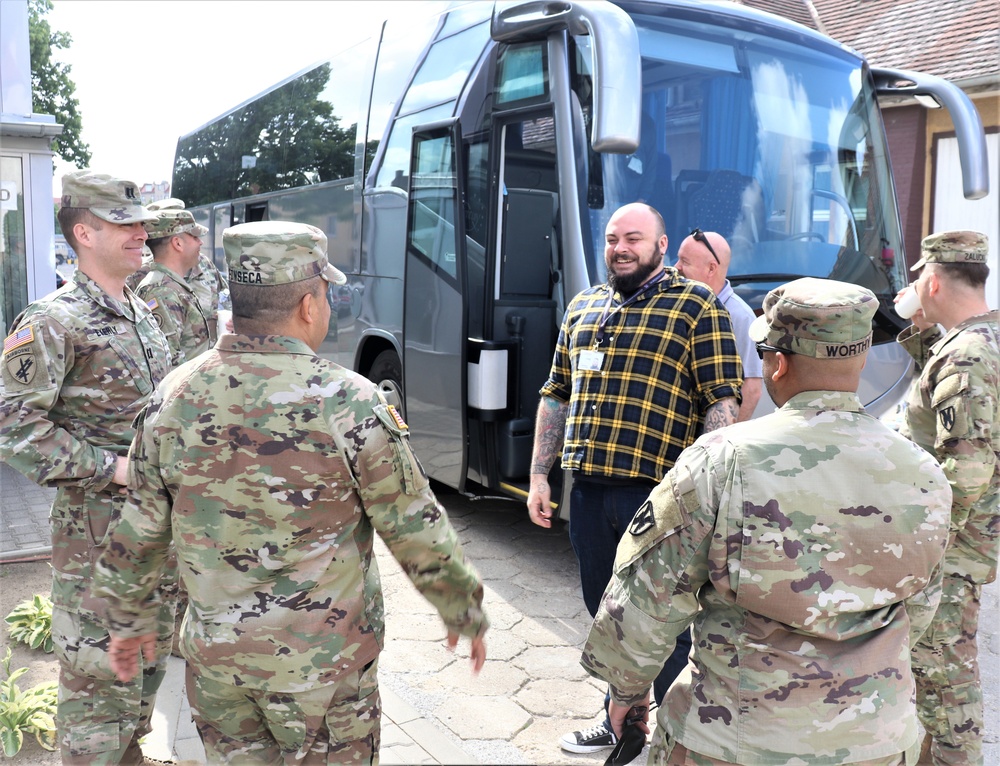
x: 78, y: 367
x: 178, y: 312
x: 210, y: 288
x: 804, y: 548
x: 271, y: 469
x: 953, y: 411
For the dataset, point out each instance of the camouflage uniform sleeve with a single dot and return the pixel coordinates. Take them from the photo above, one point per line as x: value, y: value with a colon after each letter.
x: 128, y: 573
x: 403, y: 510
x: 661, y: 564
x: 29, y: 439
x: 965, y: 417
x: 169, y: 316
x: 922, y: 605
x: 918, y: 344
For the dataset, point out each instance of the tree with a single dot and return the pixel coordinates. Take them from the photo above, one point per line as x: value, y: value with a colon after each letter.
x: 292, y: 134
x: 51, y: 87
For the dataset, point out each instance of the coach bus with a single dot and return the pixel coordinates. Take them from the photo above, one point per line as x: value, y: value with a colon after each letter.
x: 464, y: 168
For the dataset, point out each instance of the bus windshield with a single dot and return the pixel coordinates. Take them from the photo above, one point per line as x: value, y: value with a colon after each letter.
x: 775, y: 145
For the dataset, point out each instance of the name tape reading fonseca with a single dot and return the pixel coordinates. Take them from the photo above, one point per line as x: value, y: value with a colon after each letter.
x: 846, y: 349
x: 245, y: 277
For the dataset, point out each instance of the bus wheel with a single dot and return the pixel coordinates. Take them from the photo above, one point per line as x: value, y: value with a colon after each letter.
x: 387, y: 373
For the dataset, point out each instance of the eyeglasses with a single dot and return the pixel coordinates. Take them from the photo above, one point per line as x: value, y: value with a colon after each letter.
x: 699, y: 236
x: 762, y: 347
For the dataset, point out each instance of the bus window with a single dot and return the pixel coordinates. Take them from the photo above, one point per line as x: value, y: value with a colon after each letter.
x: 443, y: 71
x: 522, y: 74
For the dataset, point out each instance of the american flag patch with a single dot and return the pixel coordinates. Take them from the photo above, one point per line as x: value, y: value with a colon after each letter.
x: 19, y: 338
x: 153, y: 304
x: 397, y: 418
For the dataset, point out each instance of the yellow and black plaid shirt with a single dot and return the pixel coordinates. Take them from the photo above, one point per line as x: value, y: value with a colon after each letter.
x: 667, y: 358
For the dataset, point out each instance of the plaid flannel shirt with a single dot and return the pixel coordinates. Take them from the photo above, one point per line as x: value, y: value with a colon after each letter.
x: 668, y: 357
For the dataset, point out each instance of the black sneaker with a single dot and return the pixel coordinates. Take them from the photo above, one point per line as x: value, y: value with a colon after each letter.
x: 597, y: 737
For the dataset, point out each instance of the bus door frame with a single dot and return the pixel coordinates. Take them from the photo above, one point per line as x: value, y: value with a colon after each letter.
x: 435, y: 318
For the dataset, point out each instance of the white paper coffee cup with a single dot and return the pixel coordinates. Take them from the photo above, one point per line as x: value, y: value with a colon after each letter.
x: 225, y: 319
x: 908, y: 303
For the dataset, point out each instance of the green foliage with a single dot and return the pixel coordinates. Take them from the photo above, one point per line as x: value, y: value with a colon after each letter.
x: 32, y: 711
x: 30, y: 622
x: 52, y: 90
x: 291, y: 132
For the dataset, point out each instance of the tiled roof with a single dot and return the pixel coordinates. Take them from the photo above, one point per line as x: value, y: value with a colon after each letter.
x: 796, y: 10
x: 955, y: 39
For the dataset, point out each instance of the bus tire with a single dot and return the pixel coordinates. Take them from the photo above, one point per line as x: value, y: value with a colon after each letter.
x: 387, y: 373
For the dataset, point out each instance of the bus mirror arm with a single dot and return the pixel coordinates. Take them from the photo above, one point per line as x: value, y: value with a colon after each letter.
x: 617, y: 67
x: 965, y: 117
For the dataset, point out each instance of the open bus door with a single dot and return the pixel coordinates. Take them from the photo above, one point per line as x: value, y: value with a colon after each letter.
x: 435, y: 318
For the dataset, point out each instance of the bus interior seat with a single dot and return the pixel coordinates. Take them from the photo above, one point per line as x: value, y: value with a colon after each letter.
x: 663, y: 190
x: 528, y: 238
x: 729, y: 203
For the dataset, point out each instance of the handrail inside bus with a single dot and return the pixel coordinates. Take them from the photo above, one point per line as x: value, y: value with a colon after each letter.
x: 618, y: 95
x: 968, y: 125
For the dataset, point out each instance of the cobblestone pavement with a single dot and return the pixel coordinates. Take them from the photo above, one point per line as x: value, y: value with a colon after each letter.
x: 532, y: 689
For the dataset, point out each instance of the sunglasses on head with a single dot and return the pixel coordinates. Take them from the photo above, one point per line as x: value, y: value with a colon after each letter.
x: 699, y: 236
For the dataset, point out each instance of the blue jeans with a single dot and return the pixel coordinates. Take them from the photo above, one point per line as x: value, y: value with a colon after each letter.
x: 599, y: 514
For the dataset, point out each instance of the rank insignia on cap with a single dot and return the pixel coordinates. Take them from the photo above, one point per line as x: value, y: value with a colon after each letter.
x: 19, y: 338
x: 397, y: 418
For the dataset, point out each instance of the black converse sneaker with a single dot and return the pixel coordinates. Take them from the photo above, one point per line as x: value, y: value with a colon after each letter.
x: 597, y: 737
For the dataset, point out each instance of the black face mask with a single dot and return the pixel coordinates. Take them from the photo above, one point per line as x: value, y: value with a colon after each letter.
x: 632, y: 741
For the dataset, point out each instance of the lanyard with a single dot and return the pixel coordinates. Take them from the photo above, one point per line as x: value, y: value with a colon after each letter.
x: 608, y: 313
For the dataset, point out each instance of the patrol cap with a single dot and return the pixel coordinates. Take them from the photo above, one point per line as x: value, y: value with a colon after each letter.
x: 171, y: 222
x: 111, y: 199
x: 170, y: 203
x: 277, y: 252
x: 819, y: 318
x: 953, y: 247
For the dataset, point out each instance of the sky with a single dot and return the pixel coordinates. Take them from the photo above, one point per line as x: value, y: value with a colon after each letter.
x: 150, y: 71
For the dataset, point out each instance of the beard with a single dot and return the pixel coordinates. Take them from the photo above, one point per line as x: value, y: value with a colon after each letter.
x: 626, y: 284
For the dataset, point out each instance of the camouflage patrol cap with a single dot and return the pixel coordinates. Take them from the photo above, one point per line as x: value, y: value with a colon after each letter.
x: 277, y: 252
x: 171, y: 222
x: 820, y: 318
x: 953, y: 247
x: 111, y: 199
x: 170, y: 203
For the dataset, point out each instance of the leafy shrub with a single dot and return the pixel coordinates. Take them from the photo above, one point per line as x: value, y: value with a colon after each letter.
x: 32, y: 711
x: 30, y: 622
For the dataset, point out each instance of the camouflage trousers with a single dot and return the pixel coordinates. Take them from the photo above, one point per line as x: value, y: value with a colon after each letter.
x: 100, y: 719
x: 946, y: 668
x: 670, y: 752
x: 335, y: 723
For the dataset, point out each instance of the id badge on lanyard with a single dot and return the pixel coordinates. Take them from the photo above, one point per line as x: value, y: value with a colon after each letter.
x: 591, y: 360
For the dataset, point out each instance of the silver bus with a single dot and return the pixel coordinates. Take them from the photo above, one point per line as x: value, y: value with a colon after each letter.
x: 464, y: 168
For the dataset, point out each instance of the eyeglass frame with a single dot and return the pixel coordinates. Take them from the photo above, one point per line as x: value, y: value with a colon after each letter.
x: 699, y: 236
x: 762, y: 347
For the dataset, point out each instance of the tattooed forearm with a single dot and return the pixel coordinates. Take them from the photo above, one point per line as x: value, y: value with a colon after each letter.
x: 550, y: 427
x: 722, y: 413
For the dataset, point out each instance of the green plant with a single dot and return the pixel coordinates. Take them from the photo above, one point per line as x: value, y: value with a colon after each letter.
x: 32, y: 711
x: 30, y: 622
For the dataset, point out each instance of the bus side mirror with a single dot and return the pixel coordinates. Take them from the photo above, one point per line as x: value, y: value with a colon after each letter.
x: 618, y: 91
x: 968, y: 125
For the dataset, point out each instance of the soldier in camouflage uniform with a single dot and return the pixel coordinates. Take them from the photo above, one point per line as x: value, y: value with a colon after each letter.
x: 270, y: 469
x: 803, y: 547
x: 78, y: 367
x: 208, y: 284
x: 211, y: 288
x: 953, y: 411
x: 175, y: 240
